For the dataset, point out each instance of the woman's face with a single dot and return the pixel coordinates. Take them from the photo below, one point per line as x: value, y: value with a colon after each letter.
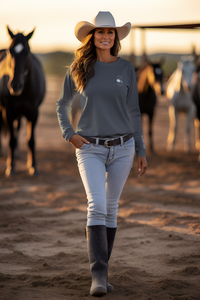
x: 104, y: 38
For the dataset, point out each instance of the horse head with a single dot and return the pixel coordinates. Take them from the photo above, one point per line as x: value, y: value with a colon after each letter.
x: 158, y: 72
x: 181, y: 78
x: 188, y: 68
x: 18, y: 61
x: 150, y: 75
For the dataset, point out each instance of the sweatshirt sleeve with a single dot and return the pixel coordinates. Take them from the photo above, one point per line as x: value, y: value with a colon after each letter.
x: 64, y: 106
x: 135, y: 114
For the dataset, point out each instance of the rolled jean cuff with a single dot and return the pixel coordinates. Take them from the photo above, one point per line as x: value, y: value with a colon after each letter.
x: 93, y: 222
x: 111, y: 224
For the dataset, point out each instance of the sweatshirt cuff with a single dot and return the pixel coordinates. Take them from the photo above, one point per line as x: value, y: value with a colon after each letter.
x: 141, y: 152
x: 68, y: 136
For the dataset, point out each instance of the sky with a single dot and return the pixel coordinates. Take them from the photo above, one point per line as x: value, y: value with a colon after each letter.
x: 55, y: 20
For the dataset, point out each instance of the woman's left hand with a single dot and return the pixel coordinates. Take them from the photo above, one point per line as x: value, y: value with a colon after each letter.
x: 142, y: 165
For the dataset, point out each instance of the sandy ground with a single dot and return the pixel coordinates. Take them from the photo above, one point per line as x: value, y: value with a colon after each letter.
x: 43, y: 251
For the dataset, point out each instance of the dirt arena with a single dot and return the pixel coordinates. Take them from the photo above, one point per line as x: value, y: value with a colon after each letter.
x: 43, y: 251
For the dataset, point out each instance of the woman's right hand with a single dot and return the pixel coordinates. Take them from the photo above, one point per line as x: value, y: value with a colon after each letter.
x: 77, y: 141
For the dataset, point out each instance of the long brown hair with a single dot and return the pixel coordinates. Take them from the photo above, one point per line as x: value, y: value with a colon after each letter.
x: 82, y: 68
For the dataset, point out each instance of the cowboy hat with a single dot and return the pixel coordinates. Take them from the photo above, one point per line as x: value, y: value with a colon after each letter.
x: 103, y: 19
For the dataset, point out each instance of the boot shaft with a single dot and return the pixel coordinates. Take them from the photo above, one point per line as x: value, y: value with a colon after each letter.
x: 98, y: 258
x: 111, y: 232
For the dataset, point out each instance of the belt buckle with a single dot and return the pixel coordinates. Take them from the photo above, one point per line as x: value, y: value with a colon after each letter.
x: 106, y: 143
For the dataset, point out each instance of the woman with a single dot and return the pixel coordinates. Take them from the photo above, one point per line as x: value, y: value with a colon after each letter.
x: 107, y: 135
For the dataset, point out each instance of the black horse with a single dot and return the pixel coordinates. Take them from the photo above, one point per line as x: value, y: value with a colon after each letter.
x: 196, y: 99
x: 22, y: 89
x: 150, y: 84
x: 1, y: 129
x: 2, y: 124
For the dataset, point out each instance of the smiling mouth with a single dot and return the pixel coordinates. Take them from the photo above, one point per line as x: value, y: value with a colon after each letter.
x: 105, y: 43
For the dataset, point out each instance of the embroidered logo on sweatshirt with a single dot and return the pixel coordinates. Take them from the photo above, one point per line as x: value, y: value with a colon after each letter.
x: 119, y: 80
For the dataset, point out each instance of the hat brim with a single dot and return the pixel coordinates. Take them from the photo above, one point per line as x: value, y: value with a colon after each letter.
x: 83, y: 28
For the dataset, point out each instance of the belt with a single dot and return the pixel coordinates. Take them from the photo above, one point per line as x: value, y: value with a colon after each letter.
x: 109, y: 143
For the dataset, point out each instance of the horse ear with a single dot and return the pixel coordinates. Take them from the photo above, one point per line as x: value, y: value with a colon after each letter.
x: 10, y: 32
x: 145, y: 59
x: 30, y: 35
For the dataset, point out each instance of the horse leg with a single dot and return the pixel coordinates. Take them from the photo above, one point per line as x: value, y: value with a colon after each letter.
x: 16, y: 126
x: 31, y: 164
x: 11, y: 148
x: 172, y: 128
x: 190, y: 117
x: 1, y: 125
x: 3, y: 128
x: 197, y: 135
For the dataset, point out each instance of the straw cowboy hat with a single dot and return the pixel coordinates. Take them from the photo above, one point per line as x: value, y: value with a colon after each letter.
x: 103, y: 19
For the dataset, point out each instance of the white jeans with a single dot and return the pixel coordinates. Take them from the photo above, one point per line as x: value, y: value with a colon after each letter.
x: 104, y: 172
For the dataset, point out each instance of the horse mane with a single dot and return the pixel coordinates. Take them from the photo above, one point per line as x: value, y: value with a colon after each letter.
x: 2, y: 54
x: 145, y: 77
x: 5, y: 65
x: 174, y: 83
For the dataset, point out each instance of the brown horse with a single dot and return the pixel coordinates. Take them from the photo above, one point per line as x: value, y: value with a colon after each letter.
x: 22, y: 89
x: 150, y: 84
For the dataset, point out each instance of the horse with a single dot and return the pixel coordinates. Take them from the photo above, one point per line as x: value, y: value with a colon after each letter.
x: 178, y: 92
x: 22, y: 90
x: 2, y: 123
x: 1, y: 129
x: 196, y: 99
x: 150, y: 84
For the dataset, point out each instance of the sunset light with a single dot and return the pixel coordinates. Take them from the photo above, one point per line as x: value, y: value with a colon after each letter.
x: 55, y: 22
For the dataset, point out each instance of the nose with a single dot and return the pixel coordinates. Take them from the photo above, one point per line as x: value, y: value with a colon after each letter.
x: 105, y: 35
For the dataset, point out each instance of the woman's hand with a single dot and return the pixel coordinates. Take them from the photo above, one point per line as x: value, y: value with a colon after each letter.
x: 77, y: 141
x: 142, y: 165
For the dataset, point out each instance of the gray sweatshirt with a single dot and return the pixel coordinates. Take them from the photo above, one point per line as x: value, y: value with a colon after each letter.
x: 109, y: 104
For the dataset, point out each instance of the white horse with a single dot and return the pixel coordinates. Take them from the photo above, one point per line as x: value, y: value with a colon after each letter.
x: 178, y: 91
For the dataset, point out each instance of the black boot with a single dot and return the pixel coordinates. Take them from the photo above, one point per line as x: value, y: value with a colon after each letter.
x: 98, y: 257
x: 110, y: 239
